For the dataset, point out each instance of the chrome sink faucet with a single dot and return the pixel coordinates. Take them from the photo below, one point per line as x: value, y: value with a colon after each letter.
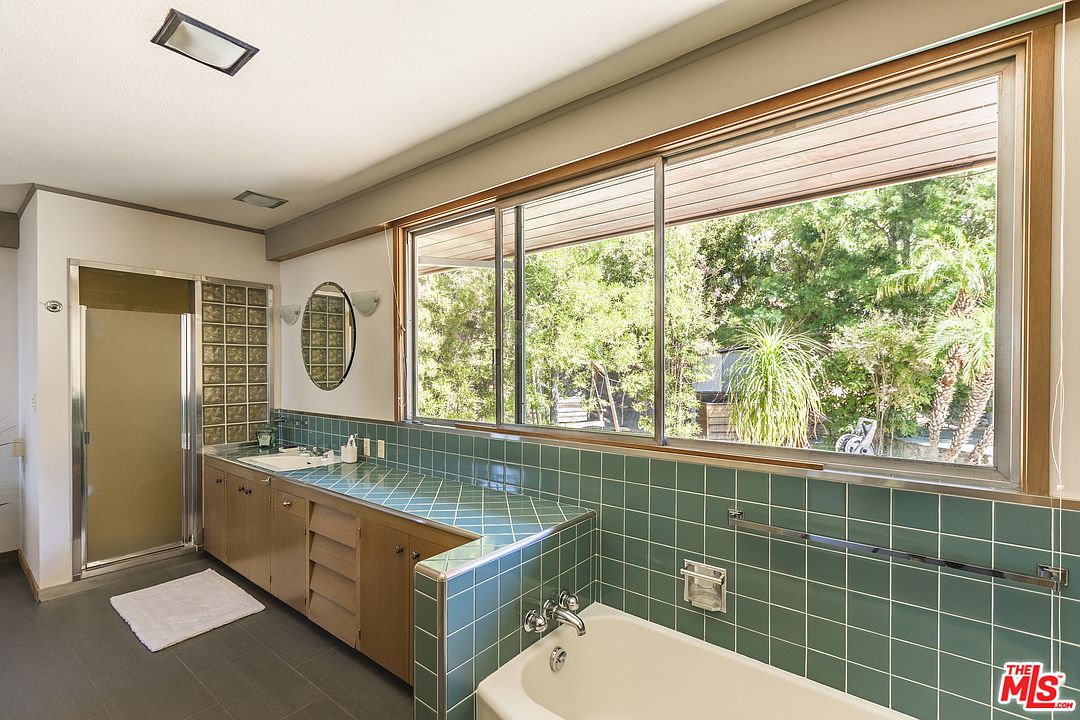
x: 564, y: 612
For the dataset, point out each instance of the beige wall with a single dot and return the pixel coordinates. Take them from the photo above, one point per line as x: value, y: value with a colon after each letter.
x: 9, y: 401
x: 56, y: 228
x: 833, y: 41
x: 28, y: 377
x: 368, y: 390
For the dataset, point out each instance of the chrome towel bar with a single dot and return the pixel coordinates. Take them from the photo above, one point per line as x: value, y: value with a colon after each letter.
x: 1048, y: 577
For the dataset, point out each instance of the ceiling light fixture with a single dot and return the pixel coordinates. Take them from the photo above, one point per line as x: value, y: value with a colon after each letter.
x: 259, y: 200
x: 185, y: 35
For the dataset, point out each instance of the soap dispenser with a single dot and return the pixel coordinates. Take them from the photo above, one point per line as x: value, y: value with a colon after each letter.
x: 348, y: 451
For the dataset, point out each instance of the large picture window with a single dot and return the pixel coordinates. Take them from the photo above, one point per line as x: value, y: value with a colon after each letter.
x: 840, y: 286
x: 832, y: 286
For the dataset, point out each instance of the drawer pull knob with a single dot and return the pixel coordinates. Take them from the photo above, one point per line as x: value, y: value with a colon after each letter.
x: 415, y: 554
x: 218, y: 481
x: 267, y: 480
x: 399, y: 549
x: 286, y: 503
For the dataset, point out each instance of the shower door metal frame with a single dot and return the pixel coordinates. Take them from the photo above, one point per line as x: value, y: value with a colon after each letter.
x: 191, y: 426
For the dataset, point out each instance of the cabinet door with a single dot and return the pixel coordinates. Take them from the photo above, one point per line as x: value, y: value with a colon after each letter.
x: 288, y: 558
x: 235, y: 524
x: 423, y: 549
x: 214, y: 511
x: 257, y: 537
x: 383, y: 589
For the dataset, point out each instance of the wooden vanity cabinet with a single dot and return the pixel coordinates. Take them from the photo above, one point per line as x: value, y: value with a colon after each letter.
x: 384, y: 584
x: 247, y: 527
x: 386, y: 558
x: 347, y: 566
x: 289, y: 549
x: 213, y: 503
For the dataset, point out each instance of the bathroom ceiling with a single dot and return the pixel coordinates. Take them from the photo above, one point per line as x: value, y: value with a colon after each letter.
x: 343, y: 93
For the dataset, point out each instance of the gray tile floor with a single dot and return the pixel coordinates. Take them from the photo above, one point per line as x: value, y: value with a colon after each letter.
x: 75, y: 659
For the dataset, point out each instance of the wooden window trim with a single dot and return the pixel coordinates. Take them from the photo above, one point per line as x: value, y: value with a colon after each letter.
x: 1034, y: 39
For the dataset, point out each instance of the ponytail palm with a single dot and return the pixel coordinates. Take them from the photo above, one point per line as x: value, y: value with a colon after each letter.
x: 773, y: 386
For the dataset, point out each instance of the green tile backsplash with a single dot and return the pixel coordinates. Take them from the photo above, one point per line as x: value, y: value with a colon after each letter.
x: 924, y: 641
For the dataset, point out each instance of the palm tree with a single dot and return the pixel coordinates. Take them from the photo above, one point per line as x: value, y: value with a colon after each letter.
x: 978, y: 455
x: 965, y: 265
x: 773, y: 389
x: 974, y: 332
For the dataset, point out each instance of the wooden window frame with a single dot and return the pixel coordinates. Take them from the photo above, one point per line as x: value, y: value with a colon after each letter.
x: 1032, y: 41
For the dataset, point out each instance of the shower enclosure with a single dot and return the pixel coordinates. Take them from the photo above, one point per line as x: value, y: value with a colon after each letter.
x: 135, y: 494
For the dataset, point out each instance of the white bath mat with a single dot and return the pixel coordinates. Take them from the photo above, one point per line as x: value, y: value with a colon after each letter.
x: 174, y: 611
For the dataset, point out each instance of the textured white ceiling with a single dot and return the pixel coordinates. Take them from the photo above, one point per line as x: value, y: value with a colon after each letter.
x: 339, y: 92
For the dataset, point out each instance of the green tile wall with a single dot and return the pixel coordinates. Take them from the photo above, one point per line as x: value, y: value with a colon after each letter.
x: 481, y: 612
x: 924, y: 641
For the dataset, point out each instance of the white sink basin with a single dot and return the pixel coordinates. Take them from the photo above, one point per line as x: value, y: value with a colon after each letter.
x: 285, y: 462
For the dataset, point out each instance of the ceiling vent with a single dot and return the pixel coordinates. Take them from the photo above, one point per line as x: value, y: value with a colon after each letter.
x: 260, y: 200
x: 204, y: 44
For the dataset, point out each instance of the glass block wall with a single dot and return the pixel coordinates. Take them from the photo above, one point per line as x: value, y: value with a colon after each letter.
x: 236, y: 357
x: 927, y: 642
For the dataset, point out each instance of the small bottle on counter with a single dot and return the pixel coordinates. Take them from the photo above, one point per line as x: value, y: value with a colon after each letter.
x: 348, y: 451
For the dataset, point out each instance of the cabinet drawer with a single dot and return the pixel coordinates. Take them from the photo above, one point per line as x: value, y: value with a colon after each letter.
x: 333, y: 618
x: 334, y: 587
x: 333, y: 524
x: 290, y: 503
x: 339, y: 558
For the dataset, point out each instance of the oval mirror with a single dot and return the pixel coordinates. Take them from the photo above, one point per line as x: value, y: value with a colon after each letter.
x: 328, y: 336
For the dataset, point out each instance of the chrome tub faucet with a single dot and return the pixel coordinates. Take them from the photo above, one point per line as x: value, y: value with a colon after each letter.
x: 564, y: 612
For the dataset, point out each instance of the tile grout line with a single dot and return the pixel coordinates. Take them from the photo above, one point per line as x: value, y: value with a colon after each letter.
x: 937, y: 615
x: 993, y: 597
x: 303, y: 707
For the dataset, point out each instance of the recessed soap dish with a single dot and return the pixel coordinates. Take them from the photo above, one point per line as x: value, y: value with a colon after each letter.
x: 704, y: 586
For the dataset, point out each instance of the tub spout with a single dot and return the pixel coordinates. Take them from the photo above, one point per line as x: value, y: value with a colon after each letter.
x: 554, y: 613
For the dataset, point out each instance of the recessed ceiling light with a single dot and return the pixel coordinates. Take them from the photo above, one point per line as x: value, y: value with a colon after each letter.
x: 202, y: 43
x: 260, y: 200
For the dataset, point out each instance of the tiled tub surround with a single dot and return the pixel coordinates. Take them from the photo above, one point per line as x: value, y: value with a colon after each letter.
x: 528, y: 548
x: 235, y: 362
x: 927, y: 642
x: 469, y: 619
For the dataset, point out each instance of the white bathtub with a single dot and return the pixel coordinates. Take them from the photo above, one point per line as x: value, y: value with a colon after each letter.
x: 626, y: 669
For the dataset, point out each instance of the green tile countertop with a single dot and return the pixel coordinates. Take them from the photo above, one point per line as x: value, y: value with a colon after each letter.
x: 503, y: 520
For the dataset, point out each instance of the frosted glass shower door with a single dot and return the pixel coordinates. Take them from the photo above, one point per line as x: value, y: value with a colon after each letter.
x: 133, y: 391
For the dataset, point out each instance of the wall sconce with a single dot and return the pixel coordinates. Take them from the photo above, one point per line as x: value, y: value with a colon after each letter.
x: 365, y: 301
x: 289, y: 313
